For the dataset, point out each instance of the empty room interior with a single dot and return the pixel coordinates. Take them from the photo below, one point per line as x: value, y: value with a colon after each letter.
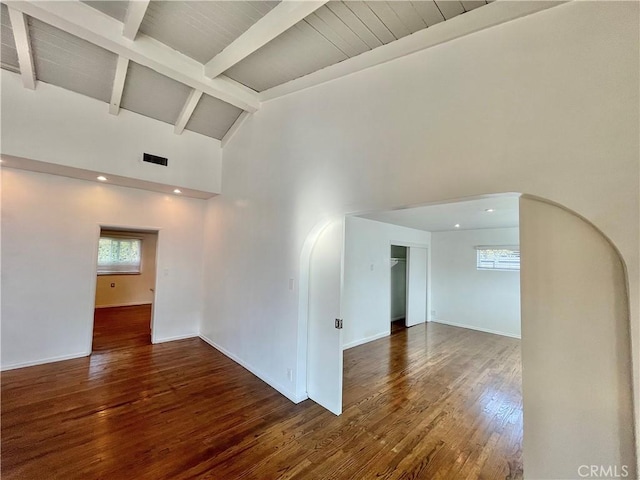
x: 320, y: 239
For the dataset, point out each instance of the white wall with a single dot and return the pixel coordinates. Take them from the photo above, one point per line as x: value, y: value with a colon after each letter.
x: 576, y: 378
x: 466, y: 297
x: 130, y: 289
x: 366, y: 292
x: 50, y: 229
x: 547, y: 105
x: 61, y: 127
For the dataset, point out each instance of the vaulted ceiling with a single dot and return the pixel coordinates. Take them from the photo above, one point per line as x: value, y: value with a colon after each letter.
x: 199, y: 64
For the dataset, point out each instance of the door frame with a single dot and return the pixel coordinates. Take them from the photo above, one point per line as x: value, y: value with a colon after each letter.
x: 408, y: 245
x: 94, y: 280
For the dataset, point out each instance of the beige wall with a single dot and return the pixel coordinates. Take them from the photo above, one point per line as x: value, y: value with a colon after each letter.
x: 575, y: 347
x: 130, y: 289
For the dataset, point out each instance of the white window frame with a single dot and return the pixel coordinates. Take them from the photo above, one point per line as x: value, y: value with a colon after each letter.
x: 504, y: 264
x: 122, y: 269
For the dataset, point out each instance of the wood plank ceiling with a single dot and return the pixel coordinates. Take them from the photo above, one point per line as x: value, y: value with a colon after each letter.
x: 200, y: 30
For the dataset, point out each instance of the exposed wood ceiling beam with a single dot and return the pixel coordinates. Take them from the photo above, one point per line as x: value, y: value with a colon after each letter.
x: 284, y: 16
x: 118, y: 85
x: 89, y: 24
x: 187, y: 110
x: 23, y: 47
x: 488, y: 16
x: 133, y: 19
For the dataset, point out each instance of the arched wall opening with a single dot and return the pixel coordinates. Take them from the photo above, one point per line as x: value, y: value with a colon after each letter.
x: 576, y: 343
x: 576, y: 346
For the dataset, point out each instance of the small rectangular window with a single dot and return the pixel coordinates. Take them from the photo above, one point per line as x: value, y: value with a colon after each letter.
x: 119, y: 255
x: 498, y: 258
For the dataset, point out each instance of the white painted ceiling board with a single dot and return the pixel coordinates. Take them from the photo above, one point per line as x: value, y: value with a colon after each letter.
x: 8, y: 52
x: 428, y: 11
x: 389, y: 17
x: 408, y: 16
x: 450, y: 8
x: 213, y: 117
x: 153, y: 95
x: 201, y: 29
x: 472, y: 4
x: 352, y: 21
x: 371, y: 20
x: 114, y: 8
x: 72, y: 63
x: 336, y: 31
x: 298, y: 51
x: 469, y: 214
x: 333, y: 33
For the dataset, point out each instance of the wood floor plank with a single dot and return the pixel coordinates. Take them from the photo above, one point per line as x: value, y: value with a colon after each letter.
x: 428, y: 402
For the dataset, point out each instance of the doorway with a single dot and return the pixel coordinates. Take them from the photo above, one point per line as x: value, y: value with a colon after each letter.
x: 125, y: 289
x: 398, y: 277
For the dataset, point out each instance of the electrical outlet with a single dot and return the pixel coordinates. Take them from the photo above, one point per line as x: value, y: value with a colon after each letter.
x: 291, y: 284
x: 290, y: 374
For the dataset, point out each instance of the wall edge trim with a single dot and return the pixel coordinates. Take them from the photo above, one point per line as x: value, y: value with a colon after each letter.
x: 43, y: 361
x: 266, y: 379
x: 478, y: 329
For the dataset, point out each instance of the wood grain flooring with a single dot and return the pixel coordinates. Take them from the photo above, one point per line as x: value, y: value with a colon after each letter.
x: 121, y: 327
x: 429, y: 402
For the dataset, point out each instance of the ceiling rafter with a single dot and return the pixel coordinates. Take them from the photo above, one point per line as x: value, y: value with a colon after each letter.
x: 189, y: 106
x: 23, y: 46
x: 495, y: 13
x: 281, y: 18
x: 133, y: 19
x: 118, y: 85
x: 89, y: 24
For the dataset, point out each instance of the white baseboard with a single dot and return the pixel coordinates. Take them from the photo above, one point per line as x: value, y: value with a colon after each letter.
x: 265, y: 378
x: 362, y: 341
x: 401, y: 317
x: 171, y: 339
x: 129, y: 304
x: 14, y: 366
x: 473, y: 327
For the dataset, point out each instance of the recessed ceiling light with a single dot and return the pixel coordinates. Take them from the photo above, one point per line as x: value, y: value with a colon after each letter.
x: 489, y: 210
x: 177, y: 190
x: 102, y: 178
x: 457, y: 225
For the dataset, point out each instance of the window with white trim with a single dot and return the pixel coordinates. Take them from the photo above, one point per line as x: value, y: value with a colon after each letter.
x: 119, y: 255
x: 506, y: 258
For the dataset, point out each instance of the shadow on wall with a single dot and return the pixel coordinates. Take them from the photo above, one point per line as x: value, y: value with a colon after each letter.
x: 576, y: 346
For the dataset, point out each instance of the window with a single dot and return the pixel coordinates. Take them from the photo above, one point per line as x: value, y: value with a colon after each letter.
x: 498, y: 258
x: 119, y: 255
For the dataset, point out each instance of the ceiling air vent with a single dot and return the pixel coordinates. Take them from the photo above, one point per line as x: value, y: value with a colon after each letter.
x: 155, y: 159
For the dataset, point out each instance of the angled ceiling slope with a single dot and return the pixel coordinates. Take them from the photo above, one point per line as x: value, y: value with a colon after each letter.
x: 199, y: 64
x: 337, y: 31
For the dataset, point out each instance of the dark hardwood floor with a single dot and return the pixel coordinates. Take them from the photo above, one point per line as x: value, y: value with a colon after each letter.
x: 398, y: 325
x: 121, y: 327
x: 429, y: 402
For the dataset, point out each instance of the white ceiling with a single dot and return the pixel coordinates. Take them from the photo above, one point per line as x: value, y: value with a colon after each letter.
x: 470, y: 215
x: 338, y: 31
x: 176, y: 48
